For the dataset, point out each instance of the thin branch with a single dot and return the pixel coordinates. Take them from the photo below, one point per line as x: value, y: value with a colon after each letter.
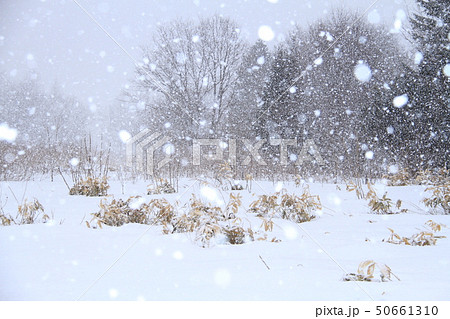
x: 264, y: 262
x: 65, y: 182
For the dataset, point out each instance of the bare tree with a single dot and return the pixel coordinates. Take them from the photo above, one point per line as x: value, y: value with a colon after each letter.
x: 192, y: 67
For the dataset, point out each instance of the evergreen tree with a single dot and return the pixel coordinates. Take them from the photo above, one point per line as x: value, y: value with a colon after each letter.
x: 330, y: 101
x: 249, y: 89
x: 277, y: 113
x: 431, y: 32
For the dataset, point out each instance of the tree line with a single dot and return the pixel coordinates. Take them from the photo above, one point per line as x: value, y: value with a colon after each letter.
x: 371, y: 100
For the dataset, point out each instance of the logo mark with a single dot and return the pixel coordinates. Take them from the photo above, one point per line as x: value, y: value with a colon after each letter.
x: 140, y: 151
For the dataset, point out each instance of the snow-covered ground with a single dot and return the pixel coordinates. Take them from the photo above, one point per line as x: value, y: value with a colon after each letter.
x: 66, y: 260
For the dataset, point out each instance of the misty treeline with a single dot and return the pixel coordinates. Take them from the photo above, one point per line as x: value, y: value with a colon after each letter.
x: 201, y: 80
x: 48, y: 126
x: 54, y: 133
x: 370, y: 99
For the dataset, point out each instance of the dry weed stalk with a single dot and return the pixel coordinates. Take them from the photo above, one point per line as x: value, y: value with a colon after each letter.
x: 384, y: 204
x: 298, y: 209
x: 225, y: 177
x: 5, y: 220
x: 435, y: 226
x: 27, y: 213
x: 209, y: 222
x: 427, y: 177
x: 424, y: 238
x: 205, y: 221
x: 298, y: 180
x: 91, y: 186
x: 440, y: 198
x: 233, y: 205
x: 367, y: 271
x: 357, y: 187
x: 201, y: 218
x: 162, y: 186
x: 401, y: 178
x: 248, y: 182
x: 133, y: 210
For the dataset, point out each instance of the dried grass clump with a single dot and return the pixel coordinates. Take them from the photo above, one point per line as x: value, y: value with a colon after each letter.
x: 235, y: 235
x: 357, y: 187
x: 205, y: 220
x: 420, y: 239
x: 31, y: 213
x: 133, y: 210
x: 298, y: 209
x: 265, y: 205
x: 27, y: 213
x: 370, y: 270
x: 91, y: 186
x: 401, y: 178
x: 435, y: 226
x: 439, y: 202
x: 237, y: 187
x: 424, y: 238
x: 384, y: 204
x: 201, y: 219
x: 210, y: 224
x: 224, y: 178
x: 6, y: 220
x: 162, y: 187
x: 298, y: 180
x: 224, y: 175
x: 261, y: 235
x: 427, y: 177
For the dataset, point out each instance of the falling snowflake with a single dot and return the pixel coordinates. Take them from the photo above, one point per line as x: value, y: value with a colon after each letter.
x: 113, y: 293
x: 7, y: 134
x: 124, y: 136
x: 369, y: 155
x: 266, y: 33
x: 447, y: 70
x: 178, y: 255
x: 74, y: 161
x: 400, y: 101
x: 209, y: 193
x: 363, y: 72
x: 169, y: 149
x: 418, y: 57
x: 290, y: 232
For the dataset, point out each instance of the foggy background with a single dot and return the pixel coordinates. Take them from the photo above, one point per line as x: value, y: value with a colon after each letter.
x: 61, y: 44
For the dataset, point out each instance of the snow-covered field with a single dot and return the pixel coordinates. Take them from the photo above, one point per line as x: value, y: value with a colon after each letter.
x: 66, y: 260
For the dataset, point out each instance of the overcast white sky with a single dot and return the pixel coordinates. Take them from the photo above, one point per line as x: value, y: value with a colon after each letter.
x: 61, y: 43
